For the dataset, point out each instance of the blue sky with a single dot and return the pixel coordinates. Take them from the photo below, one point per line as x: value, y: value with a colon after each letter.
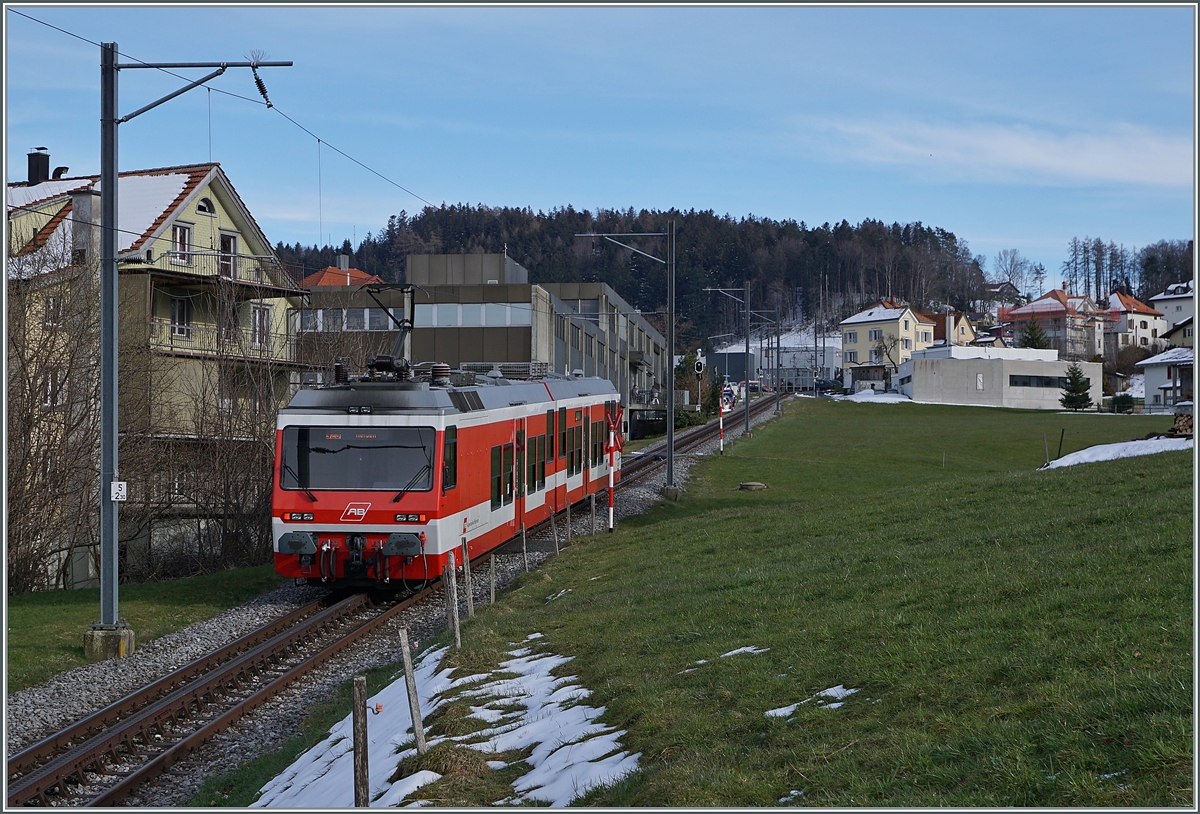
x: 1014, y: 128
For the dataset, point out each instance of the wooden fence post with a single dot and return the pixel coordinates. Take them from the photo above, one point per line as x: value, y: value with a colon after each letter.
x: 362, y: 788
x: 467, y: 580
x: 453, y: 592
x: 414, y: 702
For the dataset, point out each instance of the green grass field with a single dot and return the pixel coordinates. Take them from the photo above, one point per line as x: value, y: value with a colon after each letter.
x: 45, y: 630
x: 1016, y: 637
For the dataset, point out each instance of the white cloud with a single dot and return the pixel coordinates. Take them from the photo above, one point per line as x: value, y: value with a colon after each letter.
x: 1124, y: 154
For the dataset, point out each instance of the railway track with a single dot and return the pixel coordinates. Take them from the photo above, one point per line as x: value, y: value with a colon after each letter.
x: 100, y: 760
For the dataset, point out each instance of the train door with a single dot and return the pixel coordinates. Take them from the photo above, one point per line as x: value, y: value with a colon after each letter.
x: 519, y: 514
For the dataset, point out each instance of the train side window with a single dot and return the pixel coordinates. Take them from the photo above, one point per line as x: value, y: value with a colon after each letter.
x: 550, y: 431
x: 541, y: 476
x: 585, y: 453
x: 508, y: 474
x: 579, y: 449
x: 562, y: 431
x: 450, y: 459
x: 531, y: 458
x: 497, y: 479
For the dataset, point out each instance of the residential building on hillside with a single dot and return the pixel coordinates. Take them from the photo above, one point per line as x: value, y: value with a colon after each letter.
x: 1073, y: 324
x: 993, y: 377
x: 341, y: 274
x: 204, y: 360
x: 877, y: 340
x: 1177, y: 303
x: 1180, y: 335
x: 1169, y: 379
x: 1132, y: 323
x: 961, y: 328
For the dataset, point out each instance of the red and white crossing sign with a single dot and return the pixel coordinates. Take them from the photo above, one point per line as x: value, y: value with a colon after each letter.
x: 614, y: 429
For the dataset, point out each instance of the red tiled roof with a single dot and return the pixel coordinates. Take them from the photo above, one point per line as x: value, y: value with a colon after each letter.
x: 336, y: 276
x: 43, y: 234
x: 1131, y: 305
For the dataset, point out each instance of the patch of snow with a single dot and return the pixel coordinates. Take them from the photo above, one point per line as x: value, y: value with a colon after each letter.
x: 875, y: 398
x: 569, y: 751
x: 748, y: 649
x: 533, y: 636
x: 1137, y: 386
x: 781, y: 712
x: 1128, y: 449
x: 557, y: 595
x: 792, y: 795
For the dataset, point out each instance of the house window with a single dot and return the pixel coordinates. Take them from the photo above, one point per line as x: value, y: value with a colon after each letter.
x: 260, y: 326
x: 850, y: 337
x: 53, y: 311
x: 876, y: 355
x: 1144, y: 341
x: 851, y: 356
x: 1124, y: 339
x: 331, y: 320
x: 875, y: 334
x: 1154, y: 333
x: 1187, y: 331
x: 356, y: 319
x: 308, y: 319
x: 181, y: 317
x: 1144, y: 325
x: 906, y: 344
x: 227, y: 261
x: 906, y: 324
x: 205, y: 207
x: 181, y: 244
x: 377, y: 319
x: 926, y: 336
x: 54, y: 389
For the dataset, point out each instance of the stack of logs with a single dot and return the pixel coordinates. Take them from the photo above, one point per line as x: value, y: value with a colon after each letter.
x: 1183, y: 423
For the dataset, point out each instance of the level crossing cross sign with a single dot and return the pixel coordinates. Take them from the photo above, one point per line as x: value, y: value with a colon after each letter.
x: 614, y: 428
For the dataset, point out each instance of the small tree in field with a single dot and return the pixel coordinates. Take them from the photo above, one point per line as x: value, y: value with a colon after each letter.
x: 1076, y: 395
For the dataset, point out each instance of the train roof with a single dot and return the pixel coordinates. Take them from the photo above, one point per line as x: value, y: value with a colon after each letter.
x: 408, y: 397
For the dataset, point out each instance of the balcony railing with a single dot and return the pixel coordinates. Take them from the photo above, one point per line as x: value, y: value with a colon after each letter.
x: 244, y: 268
x: 208, y: 340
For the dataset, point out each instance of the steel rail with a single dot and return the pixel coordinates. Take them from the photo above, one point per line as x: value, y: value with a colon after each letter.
x: 165, y: 759
x: 45, y: 748
x: 81, y: 757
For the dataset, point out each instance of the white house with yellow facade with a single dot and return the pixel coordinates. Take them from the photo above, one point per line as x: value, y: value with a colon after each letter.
x: 876, y: 341
x: 205, y: 357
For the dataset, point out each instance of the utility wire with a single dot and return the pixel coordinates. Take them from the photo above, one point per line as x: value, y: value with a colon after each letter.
x: 244, y: 98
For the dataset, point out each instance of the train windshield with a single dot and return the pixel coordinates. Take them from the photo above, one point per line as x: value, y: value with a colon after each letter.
x: 358, y: 458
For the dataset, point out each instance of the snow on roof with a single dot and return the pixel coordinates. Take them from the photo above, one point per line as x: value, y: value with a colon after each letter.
x: 1174, y: 356
x: 1177, y: 290
x: 875, y: 315
x: 1129, y: 449
x: 141, y: 200
x: 24, y: 195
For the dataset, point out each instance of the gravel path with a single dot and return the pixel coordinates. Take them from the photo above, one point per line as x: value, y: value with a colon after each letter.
x: 36, y: 711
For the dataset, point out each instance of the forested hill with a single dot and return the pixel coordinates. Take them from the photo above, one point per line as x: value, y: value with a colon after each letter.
x: 825, y: 271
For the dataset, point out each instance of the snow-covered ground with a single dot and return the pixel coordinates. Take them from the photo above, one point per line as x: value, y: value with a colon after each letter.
x: 532, y: 709
x: 1137, y: 386
x: 872, y: 397
x: 1128, y: 449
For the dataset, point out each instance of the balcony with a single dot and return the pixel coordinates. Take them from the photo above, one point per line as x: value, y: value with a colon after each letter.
x: 261, y: 274
x: 231, y: 343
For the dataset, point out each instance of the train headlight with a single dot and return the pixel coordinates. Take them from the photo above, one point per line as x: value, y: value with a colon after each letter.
x: 297, y: 516
x: 411, y: 518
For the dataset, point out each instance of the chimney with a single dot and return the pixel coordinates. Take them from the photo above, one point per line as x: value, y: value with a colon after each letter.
x: 343, y: 261
x: 950, y: 327
x: 85, y: 225
x: 39, y: 165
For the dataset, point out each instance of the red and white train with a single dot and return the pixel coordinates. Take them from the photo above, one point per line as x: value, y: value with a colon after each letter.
x: 378, y: 479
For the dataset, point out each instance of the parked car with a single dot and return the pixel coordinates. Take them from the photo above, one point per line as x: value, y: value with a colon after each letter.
x: 825, y: 385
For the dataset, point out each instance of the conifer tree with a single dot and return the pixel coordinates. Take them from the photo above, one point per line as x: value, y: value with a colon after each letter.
x: 1076, y: 395
x: 1034, y: 336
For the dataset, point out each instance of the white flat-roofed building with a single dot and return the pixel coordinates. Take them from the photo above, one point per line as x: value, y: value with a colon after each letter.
x: 1023, y: 378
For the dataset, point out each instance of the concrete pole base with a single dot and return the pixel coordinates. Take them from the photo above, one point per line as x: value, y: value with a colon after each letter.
x: 103, y: 643
x: 671, y: 492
